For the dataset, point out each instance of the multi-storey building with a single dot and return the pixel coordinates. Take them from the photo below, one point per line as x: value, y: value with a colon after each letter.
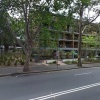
x: 67, y: 39
x: 68, y: 42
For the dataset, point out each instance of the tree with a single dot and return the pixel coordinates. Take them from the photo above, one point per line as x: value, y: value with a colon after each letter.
x: 50, y: 33
x: 28, y: 17
x: 27, y: 20
x: 5, y: 37
x: 80, y: 8
x: 90, y: 42
x: 91, y: 34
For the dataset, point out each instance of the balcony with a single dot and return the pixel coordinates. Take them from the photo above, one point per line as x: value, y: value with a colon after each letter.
x: 68, y: 48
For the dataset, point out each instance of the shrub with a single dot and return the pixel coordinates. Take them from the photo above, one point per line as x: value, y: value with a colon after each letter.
x: 5, y: 58
x: 4, y: 62
x: 22, y: 62
x: 74, y: 62
x: 12, y: 59
x: 54, y: 62
x: 71, y: 62
x: 15, y: 63
x: 9, y: 62
x: 68, y: 62
x: 91, y: 61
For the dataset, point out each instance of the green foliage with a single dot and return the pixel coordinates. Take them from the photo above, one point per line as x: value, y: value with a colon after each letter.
x: 85, y: 2
x: 45, y: 38
x: 5, y: 34
x: 12, y: 59
x: 91, y: 60
x: 8, y: 62
x: 16, y: 62
x: 71, y: 62
x: 18, y: 26
x: 90, y: 41
x: 22, y: 62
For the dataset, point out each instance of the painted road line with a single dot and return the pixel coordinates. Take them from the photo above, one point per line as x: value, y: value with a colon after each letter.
x: 53, y: 95
x: 83, y: 74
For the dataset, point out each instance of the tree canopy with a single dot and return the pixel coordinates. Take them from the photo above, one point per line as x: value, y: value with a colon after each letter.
x: 27, y: 19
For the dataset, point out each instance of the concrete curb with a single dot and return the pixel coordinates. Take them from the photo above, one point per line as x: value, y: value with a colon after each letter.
x: 34, y: 72
x: 44, y: 71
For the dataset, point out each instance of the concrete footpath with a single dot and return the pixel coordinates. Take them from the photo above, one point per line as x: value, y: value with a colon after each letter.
x: 39, y: 68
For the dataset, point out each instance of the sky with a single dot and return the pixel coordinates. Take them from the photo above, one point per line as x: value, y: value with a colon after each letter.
x: 88, y: 13
x: 91, y: 13
x: 98, y: 20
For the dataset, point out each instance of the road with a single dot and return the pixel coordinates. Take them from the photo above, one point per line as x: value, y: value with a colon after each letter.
x: 77, y: 84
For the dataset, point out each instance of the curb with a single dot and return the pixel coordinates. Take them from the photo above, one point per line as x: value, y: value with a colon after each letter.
x: 44, y: 71
x: 34, y: 72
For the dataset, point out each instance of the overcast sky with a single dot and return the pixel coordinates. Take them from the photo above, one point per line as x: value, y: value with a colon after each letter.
x: 91, y: 13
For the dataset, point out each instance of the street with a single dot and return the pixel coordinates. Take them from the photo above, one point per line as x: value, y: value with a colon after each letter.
x: 76, y: 84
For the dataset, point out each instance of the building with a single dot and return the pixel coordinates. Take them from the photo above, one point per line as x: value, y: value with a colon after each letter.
x: 68, y: 42
x: 66, y: 38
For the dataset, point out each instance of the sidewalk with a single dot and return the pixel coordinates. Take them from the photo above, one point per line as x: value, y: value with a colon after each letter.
x: 39, y: 68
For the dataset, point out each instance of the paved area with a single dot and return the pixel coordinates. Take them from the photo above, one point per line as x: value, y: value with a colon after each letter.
x: 80, y: 84
x: 39, y: 67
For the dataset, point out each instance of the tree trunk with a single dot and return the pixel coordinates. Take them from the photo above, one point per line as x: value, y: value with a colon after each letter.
x: 26, y: 65
x: 27, y: 41
x: 79, y: 46
x: 80, y: 37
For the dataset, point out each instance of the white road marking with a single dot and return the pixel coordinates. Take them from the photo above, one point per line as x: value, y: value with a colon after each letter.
x: 83, y: 74
x: 53, y: 95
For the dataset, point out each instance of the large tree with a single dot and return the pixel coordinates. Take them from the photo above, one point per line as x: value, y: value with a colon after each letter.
x: 82, y: 10
x: 83, y: 5
x: 28, y: 17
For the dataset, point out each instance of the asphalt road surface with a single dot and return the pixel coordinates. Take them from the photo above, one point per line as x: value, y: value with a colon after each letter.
x: 77, y: 84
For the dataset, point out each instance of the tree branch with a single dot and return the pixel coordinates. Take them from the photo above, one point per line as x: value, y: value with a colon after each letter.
x: 17, y: 40
x: 37, y: 31
x: 92, y: 19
